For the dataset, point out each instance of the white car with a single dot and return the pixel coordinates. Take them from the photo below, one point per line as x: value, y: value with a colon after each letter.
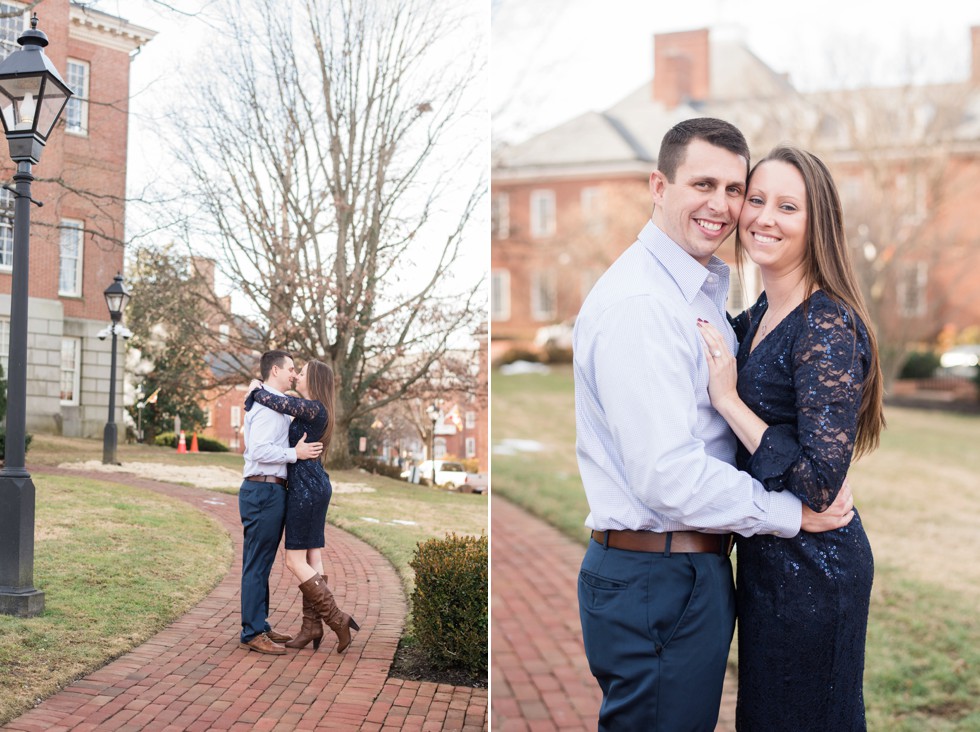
x: 448, y: 473
x: 961, y: 361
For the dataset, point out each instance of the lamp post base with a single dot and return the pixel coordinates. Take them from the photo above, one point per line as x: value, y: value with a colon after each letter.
x: 109, y: 442
x: 21, y: 603
x: 17, y: 593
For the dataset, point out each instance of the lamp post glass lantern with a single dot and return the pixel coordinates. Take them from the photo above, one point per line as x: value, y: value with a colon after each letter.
x: 32, y: 97
x: 116, y: 299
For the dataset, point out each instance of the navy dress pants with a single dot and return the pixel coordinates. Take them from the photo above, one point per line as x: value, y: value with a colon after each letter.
x: 657, y: 629
x: 263, y: 509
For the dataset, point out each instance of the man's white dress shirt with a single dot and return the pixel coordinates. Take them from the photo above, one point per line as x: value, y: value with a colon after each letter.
x: 267, y: 441
x: 652, y: 451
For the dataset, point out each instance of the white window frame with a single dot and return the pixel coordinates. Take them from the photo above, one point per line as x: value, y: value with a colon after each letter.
x: 500, y: 216
x: 543, y: 213
x: 236, y: 417
x: 78, y: 227
x: 73, y: 370
x: 591, y: 202
x: 499, y: 295
x: 469, y: 420
x: 590, y: 275
x: 439, y: 448
x: 911, y: 289
x: 4, y: 345
x: 6, y: 230
x: 470, y: 447
x: 78, y: 102
x: 11, y: 27
x: 544, y: 286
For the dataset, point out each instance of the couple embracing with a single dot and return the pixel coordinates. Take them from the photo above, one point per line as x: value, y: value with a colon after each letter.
x: 287, y: 488
x: 693, y: 429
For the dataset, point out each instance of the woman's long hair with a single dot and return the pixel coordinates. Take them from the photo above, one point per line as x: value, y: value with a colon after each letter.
x: 320, y: 382
x: 827, y: 266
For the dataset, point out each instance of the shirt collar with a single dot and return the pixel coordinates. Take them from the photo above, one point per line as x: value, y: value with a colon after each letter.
x: 688, y: 274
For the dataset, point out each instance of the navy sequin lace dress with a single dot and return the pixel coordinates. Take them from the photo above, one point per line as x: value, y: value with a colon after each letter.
x: 803, y: 602
x: 308, y: 485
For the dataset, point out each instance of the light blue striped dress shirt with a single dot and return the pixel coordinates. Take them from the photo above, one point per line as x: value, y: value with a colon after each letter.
x: 652, y: 451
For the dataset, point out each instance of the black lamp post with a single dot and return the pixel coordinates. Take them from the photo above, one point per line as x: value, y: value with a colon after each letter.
x: 433, y: 412
x: 116, y: 297
x: 32, y: 96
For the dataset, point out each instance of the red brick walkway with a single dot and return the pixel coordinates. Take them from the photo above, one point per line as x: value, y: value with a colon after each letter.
x: 540, y: 679
x: 193, y: 676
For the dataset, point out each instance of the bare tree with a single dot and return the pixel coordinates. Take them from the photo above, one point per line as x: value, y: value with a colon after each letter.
x: 325, y: 168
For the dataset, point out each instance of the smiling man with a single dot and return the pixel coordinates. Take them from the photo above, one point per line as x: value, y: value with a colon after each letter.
x: 656, y: 594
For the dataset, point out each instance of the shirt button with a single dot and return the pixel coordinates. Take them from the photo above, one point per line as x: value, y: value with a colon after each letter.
x: 712, y: 279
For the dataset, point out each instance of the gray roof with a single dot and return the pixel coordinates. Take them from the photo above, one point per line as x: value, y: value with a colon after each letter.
x: 631, y: 130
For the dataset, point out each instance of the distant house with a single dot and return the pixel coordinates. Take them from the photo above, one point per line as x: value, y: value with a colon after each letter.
x: 566, y: 202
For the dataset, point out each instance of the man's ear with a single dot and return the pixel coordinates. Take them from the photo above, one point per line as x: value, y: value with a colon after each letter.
x: 658, y: 185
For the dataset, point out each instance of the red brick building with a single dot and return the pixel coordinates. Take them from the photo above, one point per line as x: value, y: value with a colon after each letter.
x: 568, y: 201
x: 77, y: 237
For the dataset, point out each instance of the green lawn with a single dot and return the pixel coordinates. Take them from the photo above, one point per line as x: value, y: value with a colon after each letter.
x: 103, y: 596
x: 919, y: 497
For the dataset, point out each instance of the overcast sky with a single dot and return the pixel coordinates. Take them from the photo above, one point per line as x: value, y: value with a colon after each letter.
x: 554, y: 59
x: 166, y: 68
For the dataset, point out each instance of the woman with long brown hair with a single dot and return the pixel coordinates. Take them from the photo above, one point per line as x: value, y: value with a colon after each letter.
x: 307, y: 499
x: 803, y: 396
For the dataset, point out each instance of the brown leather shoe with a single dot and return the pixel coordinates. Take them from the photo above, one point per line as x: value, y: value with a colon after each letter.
x: 278, y: 637
x: 263, y: 644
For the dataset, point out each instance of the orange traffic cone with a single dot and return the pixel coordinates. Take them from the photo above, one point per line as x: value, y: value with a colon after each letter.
x: 182, y: 443
x: 194, y: 443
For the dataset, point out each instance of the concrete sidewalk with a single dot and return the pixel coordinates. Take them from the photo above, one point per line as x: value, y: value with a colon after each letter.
x: 193, y: 676
x: 540, y: 679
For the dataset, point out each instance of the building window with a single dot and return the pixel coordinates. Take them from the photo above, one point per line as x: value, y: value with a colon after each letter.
x: 76, y: 111
x: 911, y: 289
x: 236, y: 417
x: 542, y: 214
x: 210, y: 417
x: 4, y: 343
x: 592, y: 218
x: 71, y: 358
x: 224, y: 330
x: 590, y: 275
x: 6, y: 229
x: 470, y: 447
x: 470, y: 418
x: 70, y: 277
x: 12, y: 22
x: 500, y: 216
x: 544, y: 295
x: 439, y: 446
x: 500, y: 294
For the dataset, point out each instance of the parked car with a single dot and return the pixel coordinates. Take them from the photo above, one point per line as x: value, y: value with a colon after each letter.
x: 475, y: 483
x: 448, y: 473
x: 961, y: 361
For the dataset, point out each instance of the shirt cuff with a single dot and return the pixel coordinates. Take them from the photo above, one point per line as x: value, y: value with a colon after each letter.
x: 291, y: 458
x: 785, y: 514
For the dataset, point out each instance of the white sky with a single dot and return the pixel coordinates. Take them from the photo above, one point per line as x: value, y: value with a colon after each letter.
x: 166, y: 67
x: 554, y: 59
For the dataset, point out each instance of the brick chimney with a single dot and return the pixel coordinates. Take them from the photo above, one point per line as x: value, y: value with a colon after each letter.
x: 975, y: 49
x: 682, y: 67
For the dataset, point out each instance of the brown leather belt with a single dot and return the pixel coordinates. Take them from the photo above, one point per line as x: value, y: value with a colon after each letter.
x: 681, y: 542
x: 267, y: 479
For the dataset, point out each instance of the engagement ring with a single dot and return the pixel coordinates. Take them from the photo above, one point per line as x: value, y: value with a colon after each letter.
x: 716, y: 354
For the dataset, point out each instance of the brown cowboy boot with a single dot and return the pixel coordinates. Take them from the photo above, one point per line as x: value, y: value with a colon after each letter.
x: 316, y: 591
x: 312, y: 629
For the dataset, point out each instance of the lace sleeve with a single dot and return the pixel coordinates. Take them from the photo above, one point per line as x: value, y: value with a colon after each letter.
x: 305, y: 409
x: 811, y: 459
